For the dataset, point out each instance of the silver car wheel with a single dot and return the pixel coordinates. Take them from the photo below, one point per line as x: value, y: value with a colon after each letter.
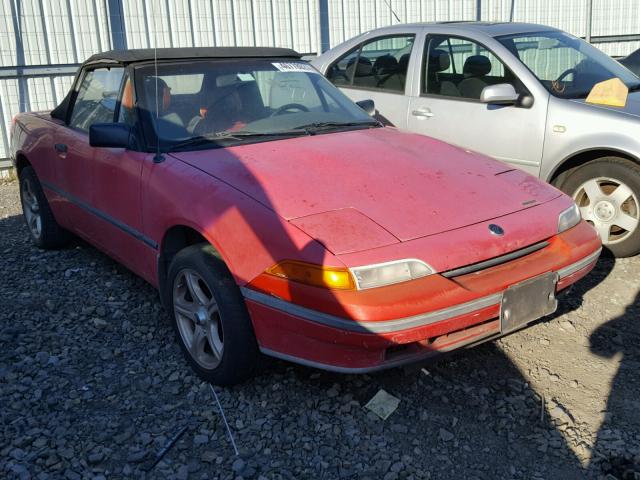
x: 610, y: 206
x: 198, y: 318
x: 31, y: 209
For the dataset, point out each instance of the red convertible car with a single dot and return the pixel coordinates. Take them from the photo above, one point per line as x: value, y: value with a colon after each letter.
x: 276, y: 216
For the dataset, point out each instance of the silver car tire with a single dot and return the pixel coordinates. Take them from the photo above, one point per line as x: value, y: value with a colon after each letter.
x: 210, y: 318
x: 43, y: 227
x: 607, y: 191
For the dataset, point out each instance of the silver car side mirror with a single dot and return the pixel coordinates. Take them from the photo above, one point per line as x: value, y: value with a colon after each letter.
x: 500, y: 94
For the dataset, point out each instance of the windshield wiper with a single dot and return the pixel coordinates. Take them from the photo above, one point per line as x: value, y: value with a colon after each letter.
x: 221, y: 136
x: 315, y: 126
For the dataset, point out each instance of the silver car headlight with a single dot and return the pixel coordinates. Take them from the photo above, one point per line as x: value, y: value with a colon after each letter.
x: 569, y: 218
x: 388, y: 273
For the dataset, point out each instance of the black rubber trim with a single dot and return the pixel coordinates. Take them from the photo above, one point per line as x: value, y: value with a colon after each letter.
x: 492, y: 262
x: 104, y: 216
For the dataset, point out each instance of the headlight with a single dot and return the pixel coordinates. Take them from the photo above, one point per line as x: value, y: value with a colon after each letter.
x: 381, y: 274
x: 569, y: 218
x: 360, y: 278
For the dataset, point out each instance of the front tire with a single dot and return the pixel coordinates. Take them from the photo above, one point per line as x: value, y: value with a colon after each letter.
x: 607, y: 191
x: 210, y: 318
x: 43, y: 228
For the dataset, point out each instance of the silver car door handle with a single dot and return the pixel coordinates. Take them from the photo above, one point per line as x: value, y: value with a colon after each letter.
x: 422, y: 113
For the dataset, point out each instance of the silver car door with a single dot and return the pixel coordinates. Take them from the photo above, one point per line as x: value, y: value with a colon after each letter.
x: 445, y: 103
x: 378, y: 69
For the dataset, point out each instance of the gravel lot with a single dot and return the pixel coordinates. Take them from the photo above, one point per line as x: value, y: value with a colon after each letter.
x: 92, y: 385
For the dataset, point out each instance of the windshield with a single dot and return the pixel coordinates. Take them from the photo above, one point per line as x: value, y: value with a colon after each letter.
x: 567, y: 66
x: 212, y: 102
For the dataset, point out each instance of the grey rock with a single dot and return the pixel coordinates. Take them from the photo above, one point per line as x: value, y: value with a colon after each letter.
x: 238, y: 465
x: 94, y: 458
x: 445, y: 435
x: 99, y: 322
x: 200, y: 439
x: 136, y: 457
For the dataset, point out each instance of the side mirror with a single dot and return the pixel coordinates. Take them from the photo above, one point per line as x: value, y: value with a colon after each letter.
x: 500, y: 94
x: 110, y: 135
x: 368, y: 106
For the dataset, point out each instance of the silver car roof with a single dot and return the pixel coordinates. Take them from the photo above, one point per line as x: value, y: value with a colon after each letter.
x: 492, y: 29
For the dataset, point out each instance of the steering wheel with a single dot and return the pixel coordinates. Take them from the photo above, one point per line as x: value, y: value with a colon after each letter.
x: 288, y: 107
x: 557, y: 85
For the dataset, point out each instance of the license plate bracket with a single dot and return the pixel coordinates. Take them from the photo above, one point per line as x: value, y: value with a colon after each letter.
x: 527, y: 301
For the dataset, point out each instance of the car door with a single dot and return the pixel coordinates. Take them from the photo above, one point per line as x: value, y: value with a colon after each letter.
x: 377, y: 69
x: 445, y: 103
x: 117, y: 197
x: 102, y: 185
x: 94, y: 102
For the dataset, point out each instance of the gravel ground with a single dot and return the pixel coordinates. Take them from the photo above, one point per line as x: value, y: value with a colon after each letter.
x: 93, y: 385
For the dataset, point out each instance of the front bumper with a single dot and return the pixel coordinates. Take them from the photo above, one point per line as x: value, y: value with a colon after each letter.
x: 345, y: 343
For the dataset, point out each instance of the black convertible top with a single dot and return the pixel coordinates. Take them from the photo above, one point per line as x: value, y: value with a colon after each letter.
x: 125, y: 57
x: 145, y: 54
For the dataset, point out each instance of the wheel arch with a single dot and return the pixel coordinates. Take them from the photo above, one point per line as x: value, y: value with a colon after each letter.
x: 176, y: 238
x: 21, y: 162
x: 560, y: 173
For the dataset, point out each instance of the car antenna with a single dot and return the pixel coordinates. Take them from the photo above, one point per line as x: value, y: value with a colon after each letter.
x: 158, y: 157
x: 392, y: 11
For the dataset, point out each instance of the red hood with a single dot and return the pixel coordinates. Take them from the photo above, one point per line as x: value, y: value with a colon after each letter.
x: 410, y: 185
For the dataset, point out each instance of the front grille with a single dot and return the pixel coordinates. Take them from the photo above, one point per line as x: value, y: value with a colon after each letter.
x: 492, y: 262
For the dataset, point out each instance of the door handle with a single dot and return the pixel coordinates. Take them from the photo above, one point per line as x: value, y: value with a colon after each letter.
x: 60, y: 148
x: 422, y: 113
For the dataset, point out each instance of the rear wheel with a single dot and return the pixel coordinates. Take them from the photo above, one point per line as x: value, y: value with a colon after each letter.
x: 607, y: 191
x: 211, y: 320
x: 43, y: 228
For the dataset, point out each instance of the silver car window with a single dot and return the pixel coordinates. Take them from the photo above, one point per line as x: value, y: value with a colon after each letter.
x: 379, y: 64
x: 97, y: 98
x: 459, y: 67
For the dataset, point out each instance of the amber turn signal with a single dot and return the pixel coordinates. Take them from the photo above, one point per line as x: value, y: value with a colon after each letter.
x: 335, y: 278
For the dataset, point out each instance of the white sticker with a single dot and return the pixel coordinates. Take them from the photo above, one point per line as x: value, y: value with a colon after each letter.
x: 294, y: 67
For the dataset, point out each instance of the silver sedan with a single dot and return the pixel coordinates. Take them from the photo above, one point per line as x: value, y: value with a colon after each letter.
x: 516, y: 92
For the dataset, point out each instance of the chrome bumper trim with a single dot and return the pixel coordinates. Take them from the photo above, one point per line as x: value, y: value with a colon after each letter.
x: 579, y: 265
x: 389, y: 326
x: 386, y: 326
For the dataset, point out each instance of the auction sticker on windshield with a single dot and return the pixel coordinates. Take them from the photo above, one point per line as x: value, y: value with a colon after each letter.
x: 294, y: 67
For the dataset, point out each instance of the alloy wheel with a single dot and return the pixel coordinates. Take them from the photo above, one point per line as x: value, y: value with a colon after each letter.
x: 31, y: 208
x: 610, y: 206
x: 198, y: 318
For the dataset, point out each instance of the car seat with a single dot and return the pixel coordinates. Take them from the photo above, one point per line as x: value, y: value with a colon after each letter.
x: 361, y: 72
x: 223, y: 113
x: 169, y: 124
x: 475, y: 68
x: 384, y: 67
x: 396, y: 80
x: 439, y: 61
x: 126, y: 103
x: 251, y: 104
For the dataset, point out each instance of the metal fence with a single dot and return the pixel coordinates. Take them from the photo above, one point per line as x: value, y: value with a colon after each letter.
x: 42, y: 42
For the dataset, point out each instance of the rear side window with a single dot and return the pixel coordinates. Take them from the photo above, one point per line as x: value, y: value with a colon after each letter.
x: 97, y: 98
x: 380, y: 64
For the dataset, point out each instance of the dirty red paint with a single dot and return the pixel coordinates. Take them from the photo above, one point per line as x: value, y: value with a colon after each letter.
x: 342, y: 199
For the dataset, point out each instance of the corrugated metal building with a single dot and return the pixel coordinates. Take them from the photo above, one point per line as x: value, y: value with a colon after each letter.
x: 43, y: 41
